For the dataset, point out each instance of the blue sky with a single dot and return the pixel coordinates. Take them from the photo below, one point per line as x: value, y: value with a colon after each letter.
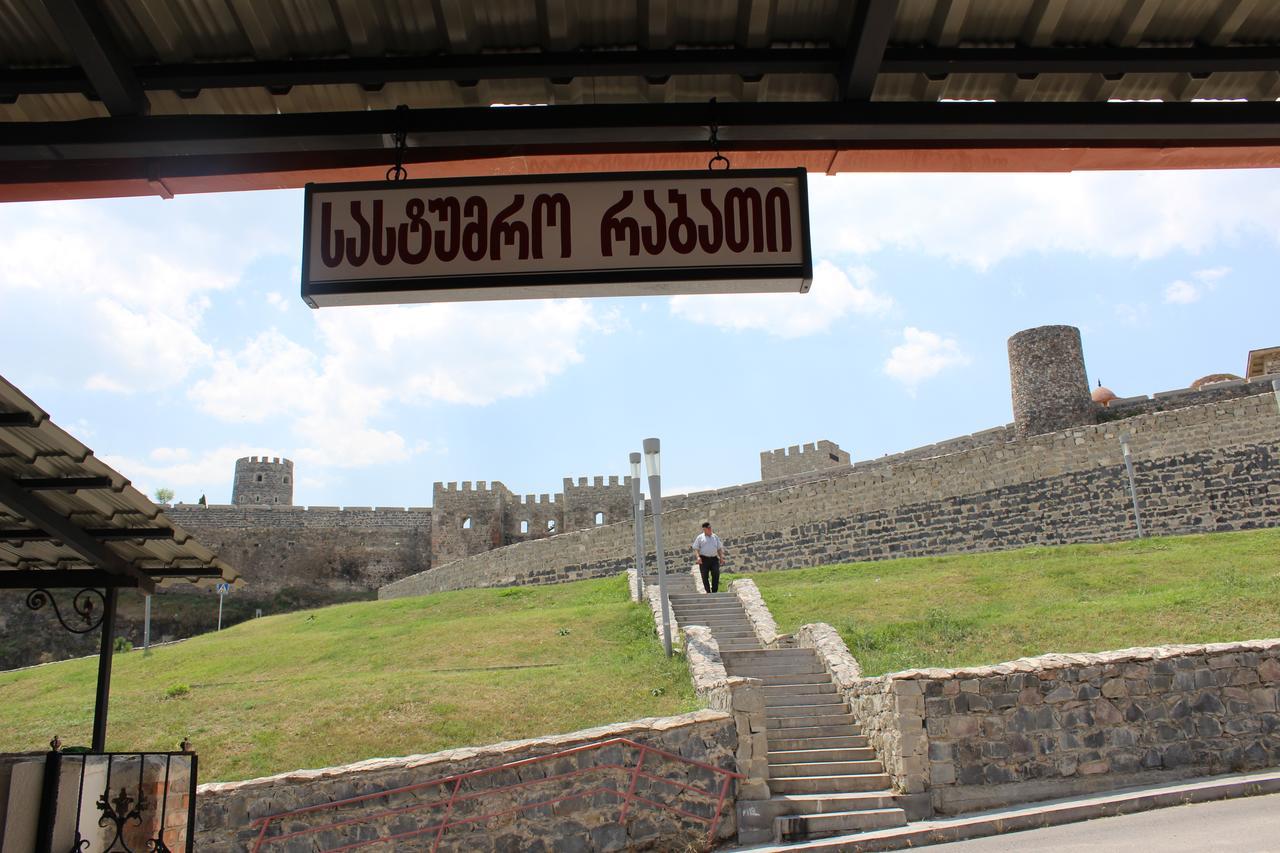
x: 169, y: 335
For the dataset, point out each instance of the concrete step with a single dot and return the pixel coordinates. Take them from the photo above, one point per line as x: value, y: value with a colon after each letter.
x: 766, y: 670
x: 825, y: 768
x: 717, y: 612
x: 827, y: 803
x: 719, y: 622
x: 815, y: 744
x: 829, y: 784
x: 783, y: 654
x: 814, y: 721
x: 800, y: 827
x: 784, y: 679
x: 783, y: 698
x: 820, y: 688
x: 732, y: 630
x: 826, y: 709
x: 797, y: 756
x: 784, y: 737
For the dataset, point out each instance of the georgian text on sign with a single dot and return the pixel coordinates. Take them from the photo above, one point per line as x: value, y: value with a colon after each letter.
x: 564, y: 235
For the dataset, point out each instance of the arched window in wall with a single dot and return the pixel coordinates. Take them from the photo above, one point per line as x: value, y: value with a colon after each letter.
x: 599, y: 518
x: 551, y: 526
x: 466, y: 523
x: 524, y: 527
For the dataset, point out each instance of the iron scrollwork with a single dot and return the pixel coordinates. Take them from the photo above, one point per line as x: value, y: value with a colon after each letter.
x: 120, y: 811
x: 91, y: 612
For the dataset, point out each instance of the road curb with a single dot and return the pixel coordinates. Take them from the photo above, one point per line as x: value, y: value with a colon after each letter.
x: 1042, y: 814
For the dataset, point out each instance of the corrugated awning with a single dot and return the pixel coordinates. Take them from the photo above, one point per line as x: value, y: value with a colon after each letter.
x: 137, y: 97
x: 69, y: 520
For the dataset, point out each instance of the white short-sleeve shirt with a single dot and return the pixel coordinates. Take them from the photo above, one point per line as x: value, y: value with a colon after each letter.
x: 708, y: 546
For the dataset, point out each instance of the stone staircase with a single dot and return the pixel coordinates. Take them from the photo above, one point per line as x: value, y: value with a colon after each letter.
x: 824, y: 777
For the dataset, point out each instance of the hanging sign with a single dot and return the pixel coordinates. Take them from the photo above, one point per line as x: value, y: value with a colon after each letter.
x: 630, y: 234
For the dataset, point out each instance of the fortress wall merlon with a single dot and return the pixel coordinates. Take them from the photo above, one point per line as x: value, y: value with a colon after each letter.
x: 798, y: 459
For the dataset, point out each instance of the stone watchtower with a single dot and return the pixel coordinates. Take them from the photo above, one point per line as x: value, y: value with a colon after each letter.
x: 263, y: 481
x: 1050, y: 388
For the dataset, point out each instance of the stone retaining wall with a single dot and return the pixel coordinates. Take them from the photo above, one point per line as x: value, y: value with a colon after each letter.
x: 1205, y: 468
x: 1059, y: 725
x: 225, y: 811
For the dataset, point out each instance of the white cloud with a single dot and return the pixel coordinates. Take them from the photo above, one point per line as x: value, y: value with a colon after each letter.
x: 140, y: 299
x: 922, y: 355
x: 188, y: 474
x: 835, y: 293
x: 373, y: 359
x: 983, y: 219
x: 1181, y: 293
x: 1211, y: 275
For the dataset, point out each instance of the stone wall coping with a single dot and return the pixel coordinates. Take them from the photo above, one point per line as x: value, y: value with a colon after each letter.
x: 832, y: 650
x: 1056, y: 661
x: 757, y: 611
x: 497, y: 751
x: 702, y: 651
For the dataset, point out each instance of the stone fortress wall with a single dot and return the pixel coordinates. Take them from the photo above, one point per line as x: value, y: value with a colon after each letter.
x: 1207, y: 459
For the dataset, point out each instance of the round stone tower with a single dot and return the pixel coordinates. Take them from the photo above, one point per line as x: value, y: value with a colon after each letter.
x: 263, y: 481
x: 1050, y: 389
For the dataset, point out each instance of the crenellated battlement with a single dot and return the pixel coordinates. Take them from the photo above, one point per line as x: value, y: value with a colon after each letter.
x: 466, y: 487
x: 799, y: 459
x: 537, y: 500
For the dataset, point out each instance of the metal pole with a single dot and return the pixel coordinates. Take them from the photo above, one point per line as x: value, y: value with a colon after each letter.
x: 1275, y: 386
x: 146, y: 626
x: 105, y: 654
x: 655, y: 494
x: 637, y: 512
x: 220, y: 594
x: 1133, y: 489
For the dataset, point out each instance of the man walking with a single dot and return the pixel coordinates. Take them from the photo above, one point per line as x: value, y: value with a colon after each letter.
x: 710, y: 551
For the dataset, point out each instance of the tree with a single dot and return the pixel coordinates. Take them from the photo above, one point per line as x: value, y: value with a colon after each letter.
x: 163, y: 495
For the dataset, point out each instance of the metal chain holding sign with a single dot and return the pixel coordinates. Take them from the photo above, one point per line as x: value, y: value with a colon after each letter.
x: 715, y: 143
x: 398, y: 172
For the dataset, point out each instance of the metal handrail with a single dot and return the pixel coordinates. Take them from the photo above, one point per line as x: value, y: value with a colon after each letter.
x: 454, y: 797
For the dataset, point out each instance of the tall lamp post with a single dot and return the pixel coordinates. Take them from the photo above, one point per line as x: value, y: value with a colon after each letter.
x: 652, y: 464
x: 1275, y: 386
x: 637, y: 512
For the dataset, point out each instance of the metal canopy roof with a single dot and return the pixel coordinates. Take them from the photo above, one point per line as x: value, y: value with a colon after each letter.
x: 69, y: 520
x: 139, y: 96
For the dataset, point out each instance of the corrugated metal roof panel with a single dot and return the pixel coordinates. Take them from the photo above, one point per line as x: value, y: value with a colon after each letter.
x: 40, y: 449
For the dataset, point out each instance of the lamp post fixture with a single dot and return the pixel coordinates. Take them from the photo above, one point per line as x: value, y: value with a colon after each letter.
x: 1275, y: 386
x: 652, y: 463
x: 637, y: 513
x: 1133, y: 489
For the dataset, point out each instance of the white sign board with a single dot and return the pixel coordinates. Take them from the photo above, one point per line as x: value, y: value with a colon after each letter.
x: 550, y: 236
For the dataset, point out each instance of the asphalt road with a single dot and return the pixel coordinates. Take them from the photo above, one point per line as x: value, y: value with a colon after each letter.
x: 1246, y: 825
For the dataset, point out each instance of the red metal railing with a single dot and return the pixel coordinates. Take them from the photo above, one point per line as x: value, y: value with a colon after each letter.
x: 454, y: 784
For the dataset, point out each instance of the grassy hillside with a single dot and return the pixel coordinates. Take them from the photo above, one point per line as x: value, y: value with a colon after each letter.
x: 986, y: 608
x: 318, y: 688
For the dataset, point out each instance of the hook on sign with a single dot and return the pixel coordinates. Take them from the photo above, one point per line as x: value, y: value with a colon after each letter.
x: 715, y: 143
x: 398, y: 172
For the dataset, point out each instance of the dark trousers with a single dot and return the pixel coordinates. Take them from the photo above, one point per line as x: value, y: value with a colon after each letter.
x: 710, y: 568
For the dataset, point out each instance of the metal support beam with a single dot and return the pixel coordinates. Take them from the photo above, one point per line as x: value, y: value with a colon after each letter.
x: 18, y: 419
x: 102, y: 534
x: 83, y: 578
x: 872, y: 24
x: 84, y: 26
x: 106, y: 653
x: 63, y: 484
x: 745, y: 62
x: 21, y: 502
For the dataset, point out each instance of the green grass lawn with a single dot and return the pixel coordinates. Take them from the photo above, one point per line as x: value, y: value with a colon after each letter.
x: 986, y: 608
x: 354, y: 681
